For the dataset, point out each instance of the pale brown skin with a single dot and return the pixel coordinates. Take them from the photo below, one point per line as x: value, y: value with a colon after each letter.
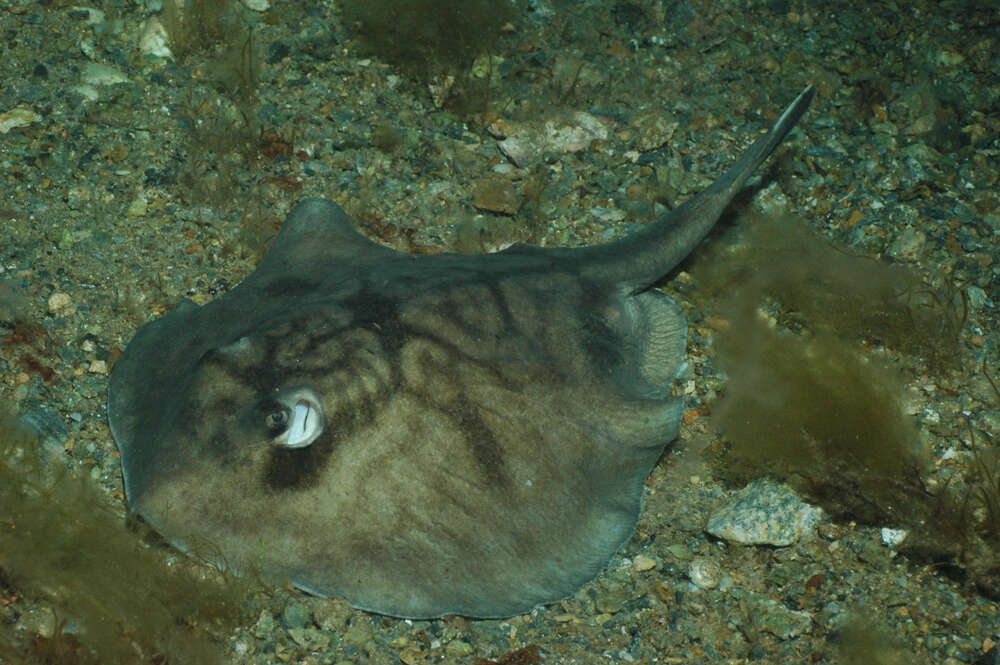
x: 479, y: 428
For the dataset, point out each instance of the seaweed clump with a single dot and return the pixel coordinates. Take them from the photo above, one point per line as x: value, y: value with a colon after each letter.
x: 813, y: 413
x: 962, y: 528
x: 810, y: 282
x: 202, y: 26
x: 804, y: 405
x: 436, y: 42
x: 114, y: 601
x: 215, y: 42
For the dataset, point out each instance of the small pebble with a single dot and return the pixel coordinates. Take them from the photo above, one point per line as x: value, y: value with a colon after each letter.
x: 704, y: 573
x: 612, y: 598
x: 412, y: 656
x: 908, y: 245
x: 893, y: 537
x: 643, y: 563
x: 783, y: 623
x: 138, y: 207
x: 60, y: 304
x: 496, y: 194
x: 18, y: 117
x: 265, y: 625
x: 153, y: 41
x: 359, y: 632
x: 99, y: 74
x: 296, y: 615
x: 310, y: 638
x: 458, y: 648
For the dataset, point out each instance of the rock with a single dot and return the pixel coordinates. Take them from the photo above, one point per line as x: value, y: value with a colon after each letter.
x: 496, y: 194
x: 764, y: 513
x: 95, y: 73
x: 359, y: 632
x: 138, y: 207
x: 154, y: 44
x: 519, y: 151
x: 18, y: 117
x: 60, y: 304
x: 642, y: 563
x: 310, y: 638
x: 412, y: 655
x: 526, y: 142
x: 578, y: 136
x: 458, y: 649
x: 775, y: 618
x: 332, y: 614
x: 611, y: 598
x: 440, y: 89
x: 654, y: 129
x: 265, y: 625
x: 608, y: 215
x: 704, y: 573
x: 297, y: 615
x: 908, y: 245
x: 893, y: 537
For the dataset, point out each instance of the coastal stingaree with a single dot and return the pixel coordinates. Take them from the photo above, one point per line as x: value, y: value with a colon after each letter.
x: 422, y: 435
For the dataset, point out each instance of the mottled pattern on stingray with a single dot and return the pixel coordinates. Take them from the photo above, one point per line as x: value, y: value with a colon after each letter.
x: 421, y: 435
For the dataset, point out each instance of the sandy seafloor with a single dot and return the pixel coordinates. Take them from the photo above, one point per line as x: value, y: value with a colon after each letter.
x: 110, y: 214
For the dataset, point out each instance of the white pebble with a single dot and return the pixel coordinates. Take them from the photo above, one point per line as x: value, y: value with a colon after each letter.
x: 60, y: 303
x: 154, y: 41
x: 893, y: 537
x: 95, y: 73
x: 17, y: 117
x: 642, y: 563
x: 704, y: 573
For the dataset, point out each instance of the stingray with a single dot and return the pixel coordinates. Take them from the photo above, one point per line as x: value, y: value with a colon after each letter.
x: 421, y: 435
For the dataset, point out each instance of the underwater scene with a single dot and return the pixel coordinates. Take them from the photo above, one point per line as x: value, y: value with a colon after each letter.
x: 499, y: 332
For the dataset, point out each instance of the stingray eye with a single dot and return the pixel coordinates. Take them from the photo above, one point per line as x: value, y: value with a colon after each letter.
x: 297, y: 421
x: 276, y: 421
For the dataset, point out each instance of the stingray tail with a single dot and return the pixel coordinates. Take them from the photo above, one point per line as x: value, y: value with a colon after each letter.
x: 643, y: 258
